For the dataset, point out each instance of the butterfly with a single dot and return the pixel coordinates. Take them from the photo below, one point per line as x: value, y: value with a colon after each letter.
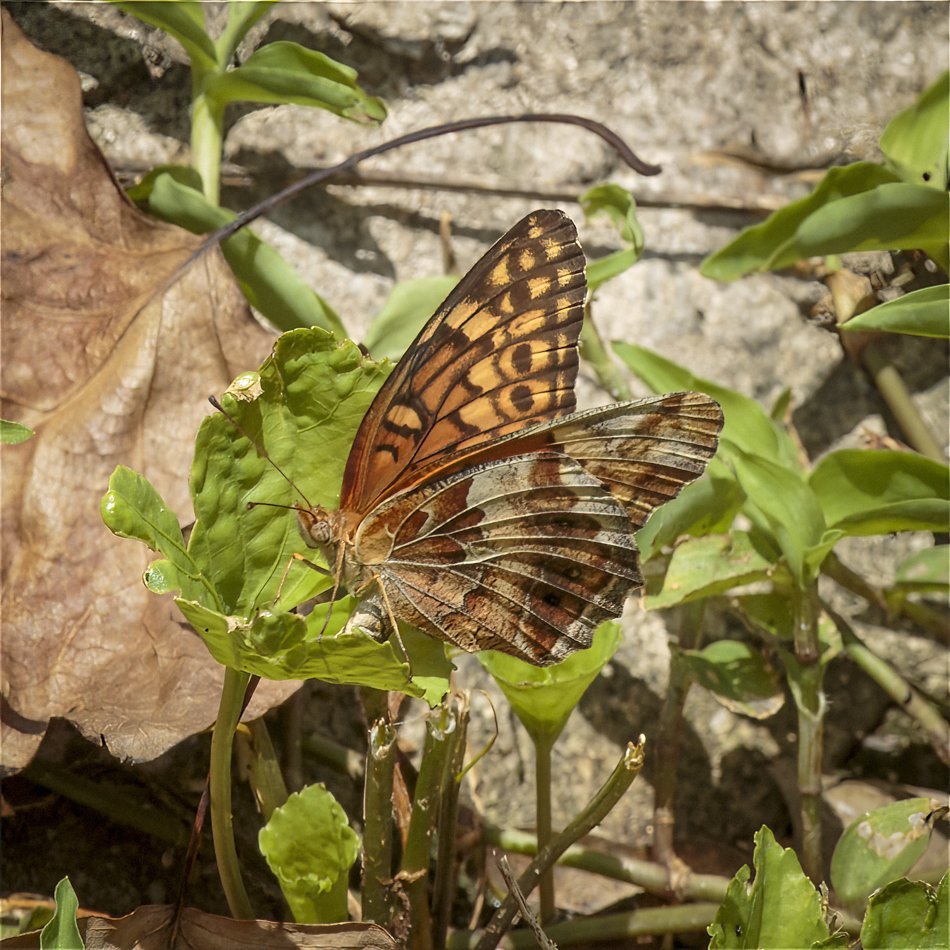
x: 476, y: 505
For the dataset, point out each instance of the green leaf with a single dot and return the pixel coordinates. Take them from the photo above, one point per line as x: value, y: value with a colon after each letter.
x: 880, y: 846
x: 927, y: 570
x: 779, y: 909
x: 543, y: 698
x: 706, y: 566
x: 772, y: 243
x: 285, y: 72
x: 915, y: 140
x: 924, y: 312
x: 62, y: 932
x: 183, y: 20
x: 747, y: 425
x: 13, y: 433
x: 908, y: 915
x: 706, y: 506
x: 310, y: 847
x: 268, y: 282
x: 619, y: 205
x: 865, y: 492
x: 738, y: 677
x: 407, y: 308
x: 314, y: 391
x: 241, y: 17
x: 780, y: 502
x: 286, y: 646
x: 131, y: 508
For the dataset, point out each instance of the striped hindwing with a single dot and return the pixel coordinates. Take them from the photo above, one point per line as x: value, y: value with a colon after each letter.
x: 526, y: 555
x: 500, y: 354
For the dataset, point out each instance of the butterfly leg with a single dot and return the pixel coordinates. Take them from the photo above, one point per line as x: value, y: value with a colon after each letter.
x: 374, y: 615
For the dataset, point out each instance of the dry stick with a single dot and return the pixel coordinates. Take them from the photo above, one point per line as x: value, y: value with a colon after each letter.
x: 600, y: 805
x: 540, y: 940
x: 447, y: 128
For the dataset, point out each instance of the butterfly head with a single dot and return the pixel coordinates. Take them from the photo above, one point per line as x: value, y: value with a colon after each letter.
x: 325, y: 530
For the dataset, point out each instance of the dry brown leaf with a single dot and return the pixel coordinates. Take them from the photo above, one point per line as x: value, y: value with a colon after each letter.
x: 150, y: 928
x: 109, y: 363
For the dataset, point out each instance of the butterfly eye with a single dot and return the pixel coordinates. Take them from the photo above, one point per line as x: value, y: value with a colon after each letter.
x: 316, y: 525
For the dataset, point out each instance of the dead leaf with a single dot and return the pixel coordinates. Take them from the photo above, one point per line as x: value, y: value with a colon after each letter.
x: 110, y: 360
x: 150, y: 928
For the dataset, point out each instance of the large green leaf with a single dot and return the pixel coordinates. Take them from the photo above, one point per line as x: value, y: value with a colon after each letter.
x: 908, y: 915
x: 543, y: 698
x: 310, y: 847
x: 880, y: 846
x: 268, y: 282
x: 780, y: 502
x: 877, y: 491
x: 184, y: 20
x: 285, y: 72
x: 407, y: 308
x: 778, y: 910
x: 747, y: 425
x: 619, y: 205
x: 706, y: 506
x: 924, y: 312
x: 772, y: 243
x: 314, y: 390
x: 915, y: 140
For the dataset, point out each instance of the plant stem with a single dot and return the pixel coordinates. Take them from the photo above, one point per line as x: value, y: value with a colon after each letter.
x: 615, y: 928
x: 264, y: 774
x: 542, y: 791
x: 207, y: 136
x: 911, y: 700
x: 425, y: 810
x: 891, y: 386
x: 597, y: 809
x: 222, y: 824
x: 593, y: 350
x: 810, y: 702
x: 378, y: 821
x: 652, y: 877
x: 443, y: 890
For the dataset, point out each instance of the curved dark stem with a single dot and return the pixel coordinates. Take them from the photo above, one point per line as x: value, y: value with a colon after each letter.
x: 447, y: 128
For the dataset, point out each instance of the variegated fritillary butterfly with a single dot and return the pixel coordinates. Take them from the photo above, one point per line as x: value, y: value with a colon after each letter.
x: 476, y: 504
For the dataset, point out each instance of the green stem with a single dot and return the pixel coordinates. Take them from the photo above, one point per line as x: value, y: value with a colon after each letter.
x: 207, y: 136
x: 543, y: 821
x: 594, y: 351
x: 810, y: 702
x: 264, y: 774
x: 425, y: 810
x: 891, y: 386
x: 914, y: 703
x: 597, y: 809
x: 607, y: 929
x: 652, y: 877
x: 378, y: 821
x: 444, y: 886
x: 222, y: 824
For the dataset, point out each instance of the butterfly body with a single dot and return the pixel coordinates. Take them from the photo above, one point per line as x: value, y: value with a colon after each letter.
x: 476, y: 505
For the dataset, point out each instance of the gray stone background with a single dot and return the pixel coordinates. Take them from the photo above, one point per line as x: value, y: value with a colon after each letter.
x: 712, y: 92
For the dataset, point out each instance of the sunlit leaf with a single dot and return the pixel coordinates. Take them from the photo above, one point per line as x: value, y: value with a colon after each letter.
x: 619, y: 205
x: 915, y: 140
x: 777, y: 910
x: 908, y: 914
x: 880, y: 846
x: 286, y: 72
x: 61, y: 933
x: 924, y: 312
x: 13, y: 433
x: 184, y: 20
x: 543, y: 698
x: 878, y: 491
x: 310, y: 847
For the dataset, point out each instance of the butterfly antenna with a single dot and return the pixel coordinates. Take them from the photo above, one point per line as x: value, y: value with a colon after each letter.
x: 262, y: 452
